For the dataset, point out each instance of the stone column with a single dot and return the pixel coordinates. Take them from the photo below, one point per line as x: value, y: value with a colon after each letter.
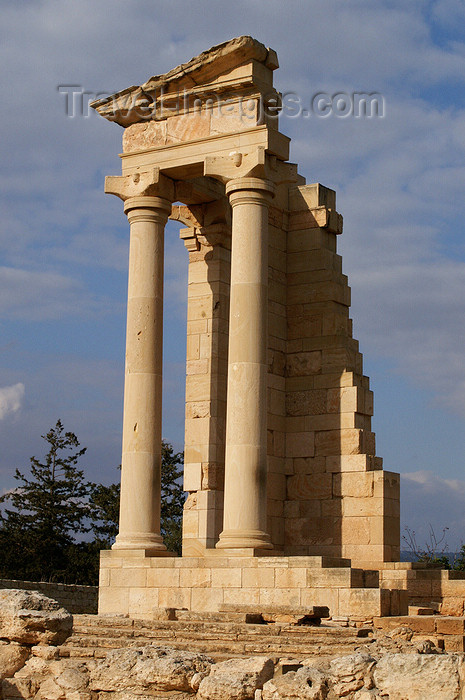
x: 246, y: 416
x: 139, y: 526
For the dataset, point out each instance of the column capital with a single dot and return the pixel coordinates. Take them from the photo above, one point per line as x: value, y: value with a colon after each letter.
x: 257, y: 163
x: 246, y: 189
x: 147, y: 183
x: 147, y: 208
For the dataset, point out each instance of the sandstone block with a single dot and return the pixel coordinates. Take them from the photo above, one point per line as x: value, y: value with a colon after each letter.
x: 309, y: 465
x: 280, y: 596
x: 241, y: 597
x: 208, y: 599
x: 303, y: 363
x: 359, y: 507
x: 258, y: 578
x: 290, y: 578
x: 452, y: 606
x: 317, y: 531
x: 149, y: 669
x: 418, y: 625
x: 305, y: 684
x: 236, y: 679
x: 309, y: 486
x: 195, y: 578
x: 128, y: 577
x: 175, y: 597
x: 227, y: 578
x: 317, y: 260
x: 302, y: 238
x: 300, y: 444
x: 333, y: 578
x: 454, y: 643
x: 355, y: 484
x: 141, y: 602
x: 28, y: 617
x: 193, y: 476
x: 351, y: 673
x: 334, y: 442
x: 13, y: 656
x: 302, y: 403
x: 417, y: 676
x: 350, y: 463
x: 450, y: 625
x: 113, y: 600
x: 368, y: 602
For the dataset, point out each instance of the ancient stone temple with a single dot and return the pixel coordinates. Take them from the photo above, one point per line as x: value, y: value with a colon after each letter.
x: 283, y: 484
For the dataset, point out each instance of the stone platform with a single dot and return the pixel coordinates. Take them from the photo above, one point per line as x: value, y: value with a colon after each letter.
x: 138, y: 585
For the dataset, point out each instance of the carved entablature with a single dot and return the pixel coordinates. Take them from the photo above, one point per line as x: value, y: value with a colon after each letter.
x: 233, y: 79
x: 207, y: 224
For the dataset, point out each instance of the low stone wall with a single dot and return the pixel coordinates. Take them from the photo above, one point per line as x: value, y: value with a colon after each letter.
x: 439, y: 589
x: 76, y: 599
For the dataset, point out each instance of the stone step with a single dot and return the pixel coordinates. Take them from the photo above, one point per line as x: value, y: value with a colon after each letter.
x: 268, y: 613
x: 164, y: 636
x: 221, y: 652
x: 94, y: 636
x: 226, y: 649
x: 217, y: 631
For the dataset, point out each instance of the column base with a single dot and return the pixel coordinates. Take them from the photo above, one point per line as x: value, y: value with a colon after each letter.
x: 152, y: 544
x: 234, y: 539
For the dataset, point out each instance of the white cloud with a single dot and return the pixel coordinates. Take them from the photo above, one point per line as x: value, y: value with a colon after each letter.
x: 41, y: 296
x: 11, y: 398
x: 429, y: 501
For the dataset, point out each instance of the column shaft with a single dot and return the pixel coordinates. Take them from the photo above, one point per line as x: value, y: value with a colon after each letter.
x: 245, y: 497
x: 139, y: 526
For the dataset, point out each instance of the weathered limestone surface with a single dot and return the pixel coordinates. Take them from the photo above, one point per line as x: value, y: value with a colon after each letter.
x: 306, y: 683
x: 28, y: 617
x: 148, y: 669
x: 158, y: 672
x: 236, y: 679
x: 412, y: 676
x: 13, y: 656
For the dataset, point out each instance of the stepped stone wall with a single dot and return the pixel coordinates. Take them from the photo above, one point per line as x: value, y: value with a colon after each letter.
x: 327, y: 493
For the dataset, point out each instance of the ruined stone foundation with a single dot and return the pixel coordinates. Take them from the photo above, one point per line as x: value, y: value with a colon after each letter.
x: 288, y: 504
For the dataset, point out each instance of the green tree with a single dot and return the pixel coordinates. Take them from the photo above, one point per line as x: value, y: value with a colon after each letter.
x: 54, y: 505
x: 172, y: 497
x: 104, y: 502
x: 48, y: 509
x: 459, y: 563
x: 104, y: 508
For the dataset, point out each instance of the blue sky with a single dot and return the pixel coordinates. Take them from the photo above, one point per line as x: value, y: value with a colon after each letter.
x: 400, y: 184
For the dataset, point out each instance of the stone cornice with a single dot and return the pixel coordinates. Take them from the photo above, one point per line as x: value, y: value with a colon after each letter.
x: 204, y: 72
